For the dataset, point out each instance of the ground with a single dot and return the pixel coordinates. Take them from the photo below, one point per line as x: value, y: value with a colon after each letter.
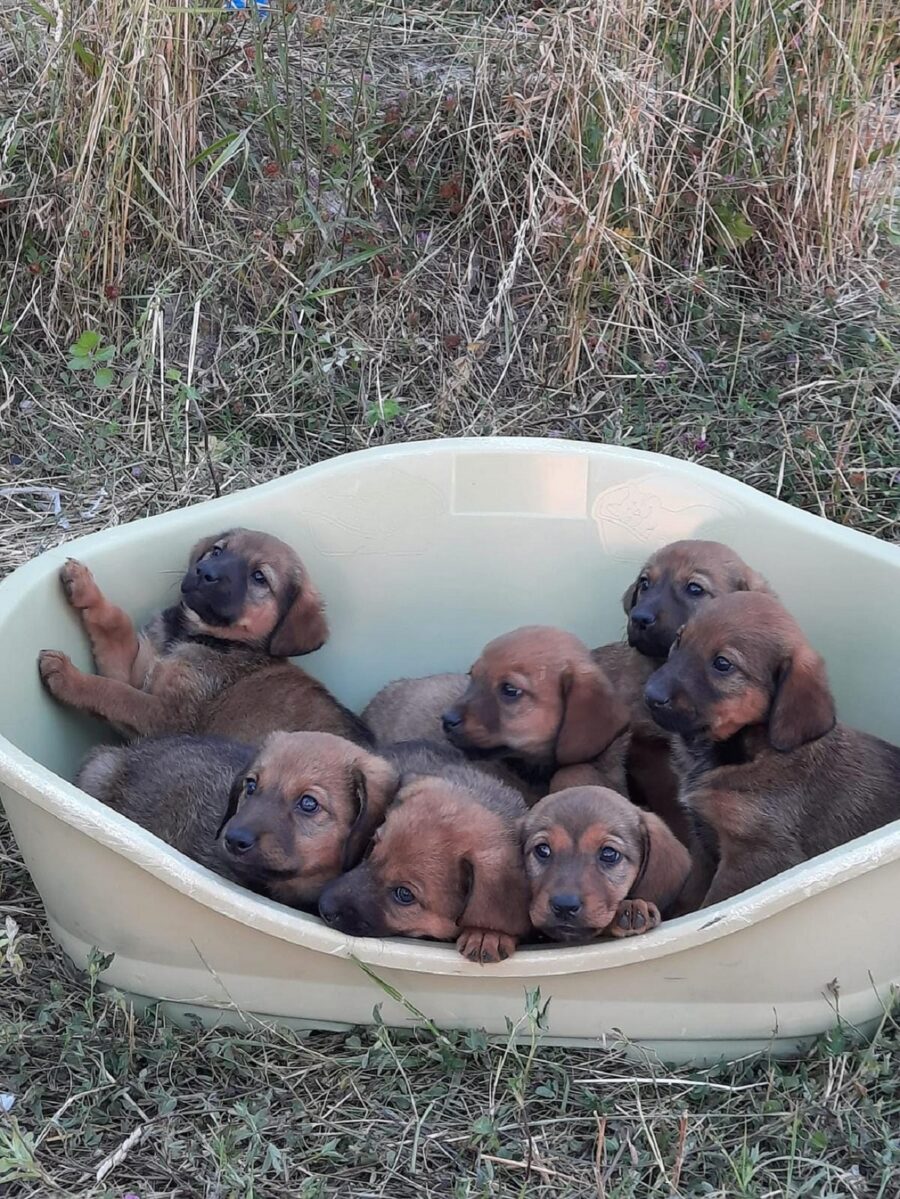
x: 233, y: 249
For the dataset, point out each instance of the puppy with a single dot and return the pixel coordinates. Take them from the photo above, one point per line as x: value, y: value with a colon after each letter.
x: 760, y: 754
x: 411, y: 709
x: 445, y: 864
x: 537, y: 699
x: 674, y: 583
x: 414, y: 708
x: 215, y: 662
x: 281, y: 820
x: 597, y: 865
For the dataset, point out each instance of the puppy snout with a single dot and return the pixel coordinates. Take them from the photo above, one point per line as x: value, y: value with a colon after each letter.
x: 330, y: 908
x: 339, y: 911
x: 642, y: 619
x: 564, y: 907
x: 239, y: 840
x: 207, y: 573
x: 656, y: 694
x: 451, y: 720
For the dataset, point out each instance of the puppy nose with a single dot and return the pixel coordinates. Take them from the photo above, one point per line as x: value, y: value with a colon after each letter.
x: 207, y: 573
x: 451, y: 720
x: 565, y: 905
x: 642, y: 619
x: 239, y: 840
x: 656, y: 694
x: 330, y: 908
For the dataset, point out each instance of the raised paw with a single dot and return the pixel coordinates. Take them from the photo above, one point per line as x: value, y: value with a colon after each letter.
x: 634, y: 917
x: 79, y: 585
x: 482, y: 946
x: 56, y: 670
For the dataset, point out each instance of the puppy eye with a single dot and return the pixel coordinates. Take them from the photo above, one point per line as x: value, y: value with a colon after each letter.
x: 215, y: 551
x: 542, y: 851
x: 609, y: 856
x: 249, y: 786
x: 259, y: 577
x: 508, y: 691
x: 643, y: 583
x: 403, y: 895
x: 722, y: 665
x: 307, y: 804
x: 695, y: 589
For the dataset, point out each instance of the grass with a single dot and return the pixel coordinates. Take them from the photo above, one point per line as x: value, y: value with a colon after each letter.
x: 670, y: 225
x: 233, y: 248
x: 110, y: 1103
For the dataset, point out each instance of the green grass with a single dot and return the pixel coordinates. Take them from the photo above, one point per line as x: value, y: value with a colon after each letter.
x: 228, y: 252
x: 674, y: 227
x: 268, y: 1114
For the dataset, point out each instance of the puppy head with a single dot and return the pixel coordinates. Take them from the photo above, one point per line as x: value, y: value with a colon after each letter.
x: 246, y: 586
x: 743, y: 660
x: 440, y: 863
x: 588, y: 848
x: 674, y: 583
x: 303, y: 811
x: 537, y: 694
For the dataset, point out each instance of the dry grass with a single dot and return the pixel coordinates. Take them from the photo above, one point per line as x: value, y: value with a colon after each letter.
x: 232, y: 249
x: 666, y: 224
x: 109, y: 1105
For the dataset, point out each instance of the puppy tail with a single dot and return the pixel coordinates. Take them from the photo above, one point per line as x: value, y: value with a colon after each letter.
x: 100, y: 771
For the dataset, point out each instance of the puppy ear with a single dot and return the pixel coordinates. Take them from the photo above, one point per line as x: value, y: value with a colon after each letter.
x: 803, y: 708
x: 493, y: 888
x: 373, y: 784
x: 234, y: 796
x: 751, y: 580
x: 204, y: 546
x: 592, y: 715
x: 666, y: 864
x: 629, y: 599
x: 303, y: 627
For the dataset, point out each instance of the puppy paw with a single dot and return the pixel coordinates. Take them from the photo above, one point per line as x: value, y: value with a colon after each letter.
x: 634, y: 917
x: 482, y: 946
x: 79, y: 585
x: 56, y: 671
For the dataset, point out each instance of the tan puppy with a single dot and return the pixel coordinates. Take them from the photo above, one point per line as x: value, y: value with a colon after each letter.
x: 599, y: 866
x: 215, y: 663
x: 409, y: 708
x: 674, y: 583
x: 444, y: 865
x: 412, y: 710
x: 760, y: 755
x: 281, y: 820
x: 537, y: 699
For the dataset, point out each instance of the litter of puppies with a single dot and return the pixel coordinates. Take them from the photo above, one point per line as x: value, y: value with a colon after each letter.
x: 549, y: 792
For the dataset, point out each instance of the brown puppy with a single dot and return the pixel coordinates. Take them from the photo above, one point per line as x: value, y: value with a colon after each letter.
x: 282, y: 820
x: 538, y: 699
x: 760, y: 755
x: 444, y: 865
x: 674, y: 583
x: 215, y: 663
x: 411, y: 710
x: 597, y: 865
